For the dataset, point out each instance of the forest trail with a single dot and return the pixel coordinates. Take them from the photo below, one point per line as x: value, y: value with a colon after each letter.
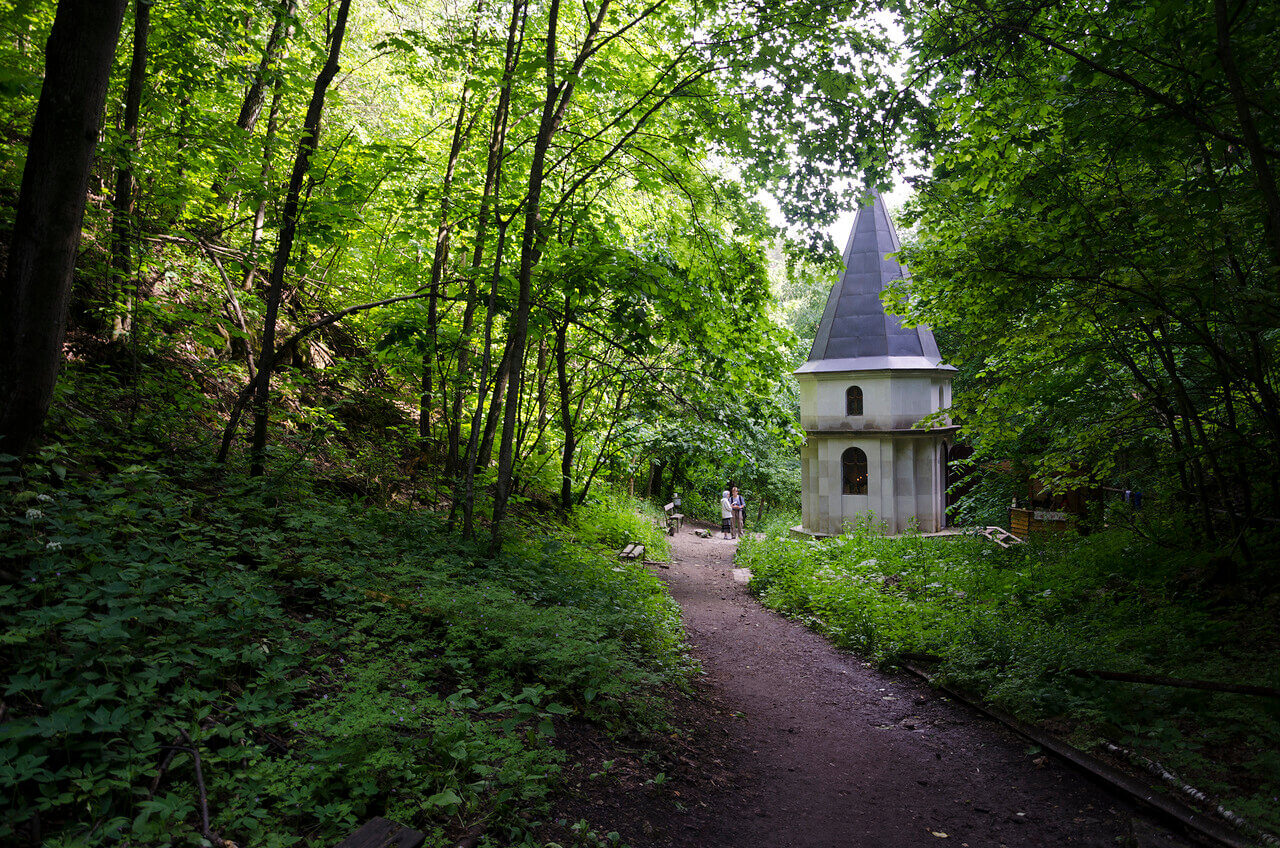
x: 831, y: 752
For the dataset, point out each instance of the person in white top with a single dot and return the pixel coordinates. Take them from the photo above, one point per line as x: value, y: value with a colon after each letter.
x: 726, y: 514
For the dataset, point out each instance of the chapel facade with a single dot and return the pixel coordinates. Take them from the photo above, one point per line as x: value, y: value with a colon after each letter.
x: 867, y: 385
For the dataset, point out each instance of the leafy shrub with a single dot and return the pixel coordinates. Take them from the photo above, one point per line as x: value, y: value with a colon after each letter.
x: 778, y: 524
x: 615, y: 519
x: 701, y: 506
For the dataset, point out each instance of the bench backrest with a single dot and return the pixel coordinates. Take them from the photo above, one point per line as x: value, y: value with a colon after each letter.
x: 671, y: 507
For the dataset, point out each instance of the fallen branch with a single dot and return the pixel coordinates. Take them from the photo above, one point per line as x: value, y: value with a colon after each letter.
x: 235, y: 305
x: 1182, y: 813
x: 205, y: 830
x: 204, y: 794
x: 274, y: 741
x: 928, y: 658
x: 270, y: 362
x: 1191, y: 792
x: 1160, y: 680
x: 173, y: 750
x: 343, y: 313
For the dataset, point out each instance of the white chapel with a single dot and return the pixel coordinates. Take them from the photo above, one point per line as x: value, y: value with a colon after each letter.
x: 869, y: 381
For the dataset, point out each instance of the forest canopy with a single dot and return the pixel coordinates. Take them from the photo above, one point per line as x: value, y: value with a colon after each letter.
x: 504, y: 216
x: 532, y: 228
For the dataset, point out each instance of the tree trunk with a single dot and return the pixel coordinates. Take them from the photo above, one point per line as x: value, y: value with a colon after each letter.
x: 461, y: 129
x: 655, y: 477
x: 254, y: 97
x: 123, y: 229
x: 520, y: 330
x: 472, y: 464
x: 288, y: 230
x: 542, y: 399
x: 618, y: 403
x: 255, y: 94
x: 260, y: 214
x: 496, y: 406
x: 464, y: 491
x: 461, y: 383
x: 566, y: 411
x: 1191, y: 426
x: 1263, y: 175
x: 553, y: 107
x: 426, y: 389
x: 46, y: 228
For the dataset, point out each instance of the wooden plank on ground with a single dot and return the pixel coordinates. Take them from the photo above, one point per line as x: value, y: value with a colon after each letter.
x: 1000, y: 536
x: 383, y: 833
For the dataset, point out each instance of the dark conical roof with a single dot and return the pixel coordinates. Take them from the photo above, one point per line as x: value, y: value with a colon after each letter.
x: 856, y: 334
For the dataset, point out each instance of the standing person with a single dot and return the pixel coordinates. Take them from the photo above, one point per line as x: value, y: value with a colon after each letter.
x: 726, y: 514
x: 739, y: 505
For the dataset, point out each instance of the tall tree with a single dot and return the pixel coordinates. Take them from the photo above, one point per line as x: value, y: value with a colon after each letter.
x: 37, y: 285
x: 288, y: 230
x: 123, y: 227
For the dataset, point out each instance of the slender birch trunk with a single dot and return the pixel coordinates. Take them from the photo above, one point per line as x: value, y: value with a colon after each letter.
x: 288, y: 230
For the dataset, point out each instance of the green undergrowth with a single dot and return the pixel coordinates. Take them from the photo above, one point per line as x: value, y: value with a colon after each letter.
x: 326, y: 660
x: 778, y: 524
x: 1010, y: 625
x: 614, y: 520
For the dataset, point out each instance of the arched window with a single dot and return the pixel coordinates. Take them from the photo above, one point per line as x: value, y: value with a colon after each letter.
x: 853, y: 401
x: 853, y: 465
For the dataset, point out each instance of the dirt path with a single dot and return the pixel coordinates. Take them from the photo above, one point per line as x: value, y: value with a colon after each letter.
x: 827, y: 751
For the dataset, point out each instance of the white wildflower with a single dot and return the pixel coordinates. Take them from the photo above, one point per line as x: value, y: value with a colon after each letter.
x: 44, y: 499
x: 33, y: 514
x: 55, y: 545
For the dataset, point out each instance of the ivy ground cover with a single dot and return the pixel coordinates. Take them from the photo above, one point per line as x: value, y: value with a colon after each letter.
x: 176, y: 646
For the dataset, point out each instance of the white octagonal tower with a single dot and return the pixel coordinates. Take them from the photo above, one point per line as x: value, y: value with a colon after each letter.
x: 869, y: 381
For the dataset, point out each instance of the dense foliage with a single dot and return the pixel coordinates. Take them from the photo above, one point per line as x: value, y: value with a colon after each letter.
x: 1012, y: 625
x: 303, y: 296
x: 181, y: 644
x: 499, y: 217
x: 1098, y: 239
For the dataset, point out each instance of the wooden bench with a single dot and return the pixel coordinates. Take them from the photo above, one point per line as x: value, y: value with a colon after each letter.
x: 633, y: 551
x: 675, y: 520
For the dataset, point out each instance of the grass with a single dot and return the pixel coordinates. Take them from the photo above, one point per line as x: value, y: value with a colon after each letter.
x: 1009, y: 625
